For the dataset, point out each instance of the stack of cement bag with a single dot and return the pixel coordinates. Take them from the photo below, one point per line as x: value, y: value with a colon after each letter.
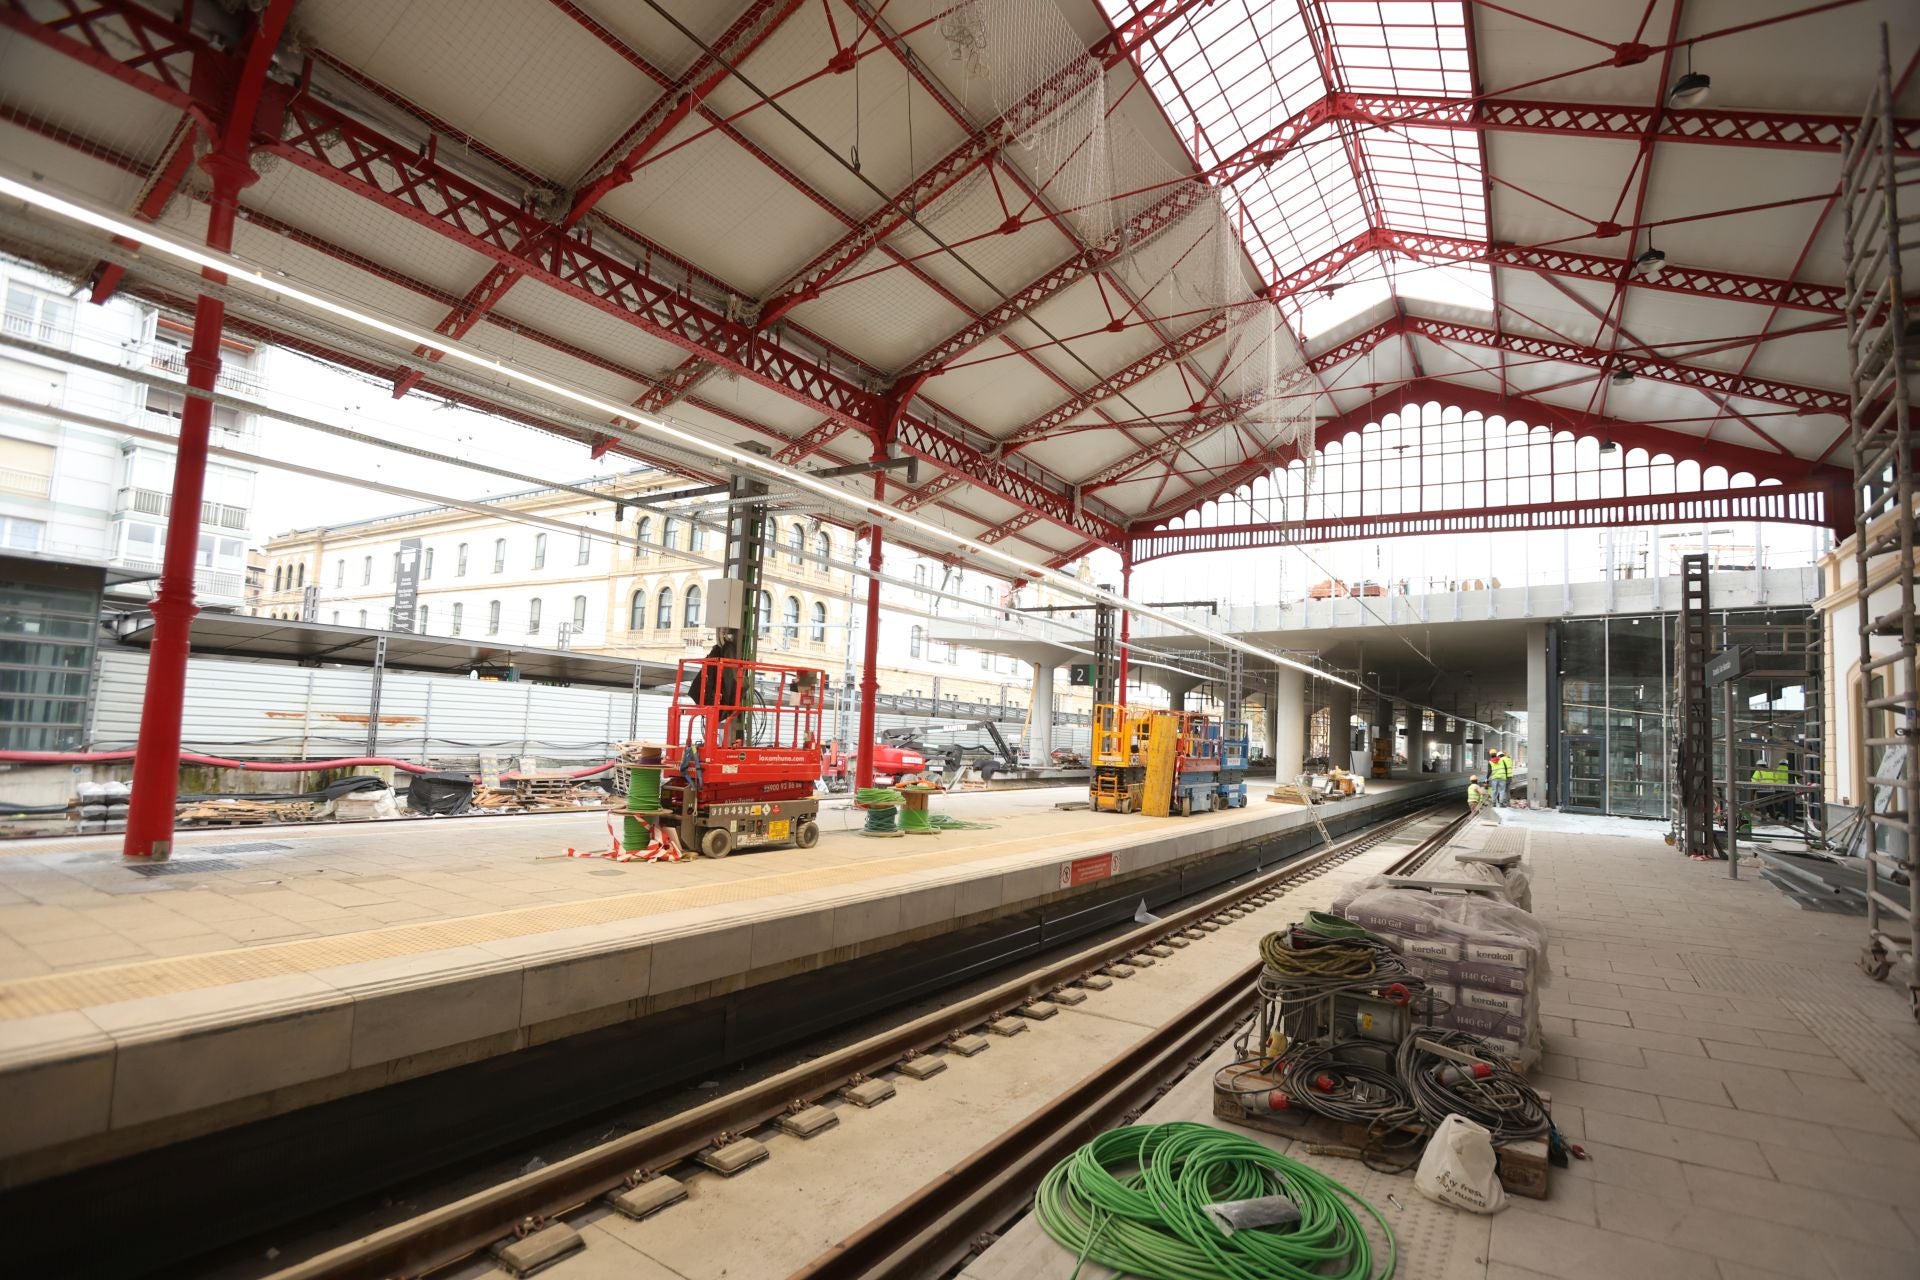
x: 1483, y: 960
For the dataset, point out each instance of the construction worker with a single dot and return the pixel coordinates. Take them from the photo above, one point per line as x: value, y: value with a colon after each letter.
x: 1476, y: 796
x: 1500, y: 769
x: 1778, y: 805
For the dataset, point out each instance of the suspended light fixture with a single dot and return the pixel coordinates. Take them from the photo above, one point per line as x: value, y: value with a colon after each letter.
x: 1691, y: 89
x: 1622, y: 376
x: 1609, y: 446
x: 1650, y: 264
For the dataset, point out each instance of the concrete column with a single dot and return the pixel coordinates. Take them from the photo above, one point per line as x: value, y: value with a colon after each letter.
x: 1339, y: 712
x: 1460, y: 748
x: 1416, y: 742
x: 1289, y: 721
x: 1542, y: 748
x: 1177, y: 700
x: 1040, y: 718
x: 1273, y: 723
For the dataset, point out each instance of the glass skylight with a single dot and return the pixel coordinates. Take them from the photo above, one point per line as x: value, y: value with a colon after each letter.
x: 1229, y: 73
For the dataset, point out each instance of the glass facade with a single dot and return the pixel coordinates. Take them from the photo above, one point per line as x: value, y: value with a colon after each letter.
x: 48, y: 619
x: 1615, y: 696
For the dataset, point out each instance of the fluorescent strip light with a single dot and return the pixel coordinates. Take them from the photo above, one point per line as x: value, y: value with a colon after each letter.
x: 144, y: 234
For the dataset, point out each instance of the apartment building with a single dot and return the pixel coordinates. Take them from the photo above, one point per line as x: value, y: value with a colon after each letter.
x: 93, y: 494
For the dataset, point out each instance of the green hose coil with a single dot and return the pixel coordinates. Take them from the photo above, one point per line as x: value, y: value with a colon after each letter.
x: 1133, y: 1199
x: 643, y: 792
x: 883, y: 809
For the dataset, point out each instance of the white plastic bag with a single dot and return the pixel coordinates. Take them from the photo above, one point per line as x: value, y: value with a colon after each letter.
x: 1458, y: 1168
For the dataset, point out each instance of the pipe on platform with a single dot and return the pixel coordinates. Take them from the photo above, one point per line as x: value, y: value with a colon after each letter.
x: 156, y: 764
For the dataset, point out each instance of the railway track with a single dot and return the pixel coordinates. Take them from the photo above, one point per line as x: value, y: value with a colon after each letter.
x: 929, y: 1231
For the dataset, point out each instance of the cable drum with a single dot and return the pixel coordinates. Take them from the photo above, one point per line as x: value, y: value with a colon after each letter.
x: 1135, y: 1199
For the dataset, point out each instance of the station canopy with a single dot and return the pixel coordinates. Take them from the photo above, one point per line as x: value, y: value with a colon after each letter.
x: 1094, y: 262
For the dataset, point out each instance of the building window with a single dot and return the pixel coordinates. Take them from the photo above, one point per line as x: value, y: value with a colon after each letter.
x: 37, y: 315
x: 637, y: 611
x: 460, y: 561
x: 663, y: 609
x: 791, y: 632
x: 915, y: 640
x: 301, y: 573
x: 457, y: 610
x: 819, y: 622
x: 696, y: 536
x: 276, y: 578
x: 336, y: 617
x: 986, y: 661
x: 796, y: 544
x: 420, y: 620
x: 539, y: 550
x: 582, y: 550
x: 493, y: 617
x: 693, y: 607
x: 21, y: 535
x: 763, y: 614
x: 823, y: 545
x: 426, y: 563
x: 366, y: 572
x: 641, y: 533
x: 579, y: 614
x: 533, y: 616
x: 670, y: 533
x: 363, y: 619
x: 340, y: 573
x: 499, y: 554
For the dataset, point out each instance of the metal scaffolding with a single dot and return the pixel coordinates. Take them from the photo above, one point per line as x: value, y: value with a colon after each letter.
x: 1882, y: 358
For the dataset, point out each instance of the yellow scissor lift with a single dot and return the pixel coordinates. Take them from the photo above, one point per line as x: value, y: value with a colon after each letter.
x: 1150, y: 760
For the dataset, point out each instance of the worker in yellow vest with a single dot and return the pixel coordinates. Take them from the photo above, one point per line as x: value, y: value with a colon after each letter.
x: 1500, y: 770
x: 1777, y: 775
x: 1476, y: 796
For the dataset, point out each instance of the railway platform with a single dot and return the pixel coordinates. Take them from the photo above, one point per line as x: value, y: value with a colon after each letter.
x: 262, y: 972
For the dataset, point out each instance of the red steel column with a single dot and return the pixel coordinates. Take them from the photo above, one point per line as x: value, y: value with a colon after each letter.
x: 156, y: 760
x: 870, y: 658
x: 1126, y: 618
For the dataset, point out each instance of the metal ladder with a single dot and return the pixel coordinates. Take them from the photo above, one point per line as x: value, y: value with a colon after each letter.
x: 1882, y: 359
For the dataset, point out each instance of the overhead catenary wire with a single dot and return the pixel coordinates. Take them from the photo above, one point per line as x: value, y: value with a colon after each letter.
x: 84, y: 212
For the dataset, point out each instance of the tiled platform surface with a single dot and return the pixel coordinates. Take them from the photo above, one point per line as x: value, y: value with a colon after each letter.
x: 138, y: 1010
x: 1750, y: 1100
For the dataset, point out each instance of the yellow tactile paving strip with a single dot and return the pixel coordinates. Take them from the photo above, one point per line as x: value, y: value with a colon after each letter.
x: 61, y: 992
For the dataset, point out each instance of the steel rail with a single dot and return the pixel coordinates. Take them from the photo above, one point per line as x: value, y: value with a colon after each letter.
x: 936, y: 1227
x: 451, y: 1232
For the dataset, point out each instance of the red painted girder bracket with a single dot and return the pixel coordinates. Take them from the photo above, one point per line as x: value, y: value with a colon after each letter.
x: 1763, y: 464
x: 945, y: 483
x: 1056, y: 92
x: 1135, y: 232
x: 1001, y: 532
x: 165, y: 184
x: 1012, y: 479
x: 812, y: 442
x: 677, y: 100
x: 127, y: 41
x: 1793, y: 131
x: 1700, y: 282
x: 1798, y: 505
x: 1747, y: 386
x: 1192, y: 340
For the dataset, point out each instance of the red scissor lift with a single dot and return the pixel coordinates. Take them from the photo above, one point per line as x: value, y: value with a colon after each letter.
x: 743, y: 756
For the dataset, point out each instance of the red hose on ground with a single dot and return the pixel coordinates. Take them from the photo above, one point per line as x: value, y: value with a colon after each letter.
x: 253, y: 766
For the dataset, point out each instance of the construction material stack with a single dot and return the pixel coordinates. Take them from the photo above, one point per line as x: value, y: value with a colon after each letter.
x: 1481, y: 957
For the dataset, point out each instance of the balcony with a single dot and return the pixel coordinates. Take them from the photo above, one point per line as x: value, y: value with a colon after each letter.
x: 28, y: 484
x: 43, y: 329
x: 151, y: 502
x: 236, y: 380
x: 209, y: 585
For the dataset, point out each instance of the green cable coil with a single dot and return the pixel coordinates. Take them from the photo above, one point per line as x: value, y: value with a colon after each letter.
x: 918, y: 821
x: 883, y: 809
x: 1134, y: 1199
x: 643, y: 792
